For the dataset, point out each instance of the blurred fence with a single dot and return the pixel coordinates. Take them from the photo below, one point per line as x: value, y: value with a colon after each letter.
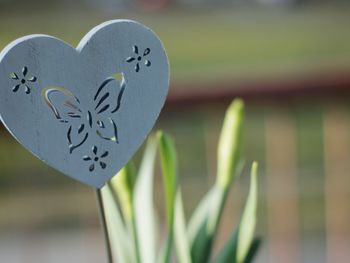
x: 298, y: 130
x: 301, y: 137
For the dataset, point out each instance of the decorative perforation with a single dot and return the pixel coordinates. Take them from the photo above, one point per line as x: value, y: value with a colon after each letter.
x: 139, y: 59
x: 23, y: 80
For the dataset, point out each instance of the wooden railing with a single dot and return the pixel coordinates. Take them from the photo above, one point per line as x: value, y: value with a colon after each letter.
x: 283, y: 191
x: 282, y: 176
x: 320, y: 85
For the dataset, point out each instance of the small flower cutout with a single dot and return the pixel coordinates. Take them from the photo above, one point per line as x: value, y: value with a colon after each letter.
x: 139, y: 58
x: 96, y: 159
x: 23, y: 80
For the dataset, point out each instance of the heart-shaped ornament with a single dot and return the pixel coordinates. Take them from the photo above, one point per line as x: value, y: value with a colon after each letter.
x: 84, y: 111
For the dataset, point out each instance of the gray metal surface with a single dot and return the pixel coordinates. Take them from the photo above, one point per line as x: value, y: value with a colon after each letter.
x: 84, y: 111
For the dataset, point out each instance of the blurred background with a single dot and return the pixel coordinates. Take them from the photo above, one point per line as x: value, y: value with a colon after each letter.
x: 288, y: 59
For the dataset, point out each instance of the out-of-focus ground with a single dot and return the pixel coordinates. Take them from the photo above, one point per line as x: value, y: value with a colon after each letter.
x: 302, y: 141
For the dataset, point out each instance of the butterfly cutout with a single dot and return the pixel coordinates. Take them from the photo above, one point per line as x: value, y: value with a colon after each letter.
x: 82, y: 121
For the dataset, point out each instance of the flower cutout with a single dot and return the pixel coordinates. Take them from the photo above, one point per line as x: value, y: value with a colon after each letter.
x: 139, y: 58
x: 96, y: 159
x: 23, y: 80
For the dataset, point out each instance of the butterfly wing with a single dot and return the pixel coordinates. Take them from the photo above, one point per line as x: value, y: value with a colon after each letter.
x: 109, y: 95
x: 108, y: 100
x: 63, y: 104
x: 66, y: 109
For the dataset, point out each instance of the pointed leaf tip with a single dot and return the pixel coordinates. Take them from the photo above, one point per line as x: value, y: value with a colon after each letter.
x: 230, y: 143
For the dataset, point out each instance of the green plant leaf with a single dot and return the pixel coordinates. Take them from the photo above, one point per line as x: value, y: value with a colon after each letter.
x: 229, y: 164
x: 229, y: 161
x: 199, y: 217
x: 253, y: 250
x: 248, y: 221
x: 229, y: 251
x: 230, y: 144
x: 180, y: 233
x: 145, y: 216
x: 240, y: 248
x: 169, y: 172
x: 123, y: 185
x: 201, y: 244
x: 119, y: 238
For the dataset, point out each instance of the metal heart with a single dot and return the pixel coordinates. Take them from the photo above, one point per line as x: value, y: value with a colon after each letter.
x: 84, y: 111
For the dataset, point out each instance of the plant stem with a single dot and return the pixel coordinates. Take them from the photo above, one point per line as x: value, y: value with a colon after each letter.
x: 104, y: 225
